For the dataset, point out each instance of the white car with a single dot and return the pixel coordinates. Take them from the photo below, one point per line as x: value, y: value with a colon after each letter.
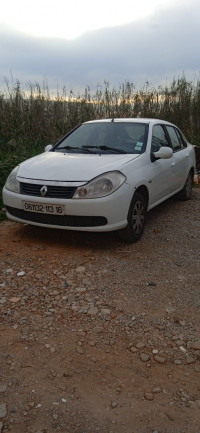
x: 102, y: 176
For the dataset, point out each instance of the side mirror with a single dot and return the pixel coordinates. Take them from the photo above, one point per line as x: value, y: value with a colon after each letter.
x: 48, y: 147
x: 163, y: 153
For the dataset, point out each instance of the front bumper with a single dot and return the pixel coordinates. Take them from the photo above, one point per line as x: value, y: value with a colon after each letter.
x: 99, y: 215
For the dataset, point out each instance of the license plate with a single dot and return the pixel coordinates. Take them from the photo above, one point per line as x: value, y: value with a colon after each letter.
x: 52, y: 209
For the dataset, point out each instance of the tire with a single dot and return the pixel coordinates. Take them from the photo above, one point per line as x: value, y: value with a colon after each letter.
x: 136, y: 219
x: 185, y: 193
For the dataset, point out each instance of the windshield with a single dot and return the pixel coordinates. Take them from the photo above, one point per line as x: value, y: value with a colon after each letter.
x: 106, y: 137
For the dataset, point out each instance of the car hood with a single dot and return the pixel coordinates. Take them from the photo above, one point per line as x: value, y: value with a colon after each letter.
x: 67, y: 167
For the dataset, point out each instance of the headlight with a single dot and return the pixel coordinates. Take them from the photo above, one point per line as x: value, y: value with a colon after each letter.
x: 101, y: 186
x: 12, y: 183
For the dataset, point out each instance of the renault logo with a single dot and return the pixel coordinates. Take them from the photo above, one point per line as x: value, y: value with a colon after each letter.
x: 43, y: 191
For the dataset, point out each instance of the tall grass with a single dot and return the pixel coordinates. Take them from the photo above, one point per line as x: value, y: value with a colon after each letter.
x: 31, y: 117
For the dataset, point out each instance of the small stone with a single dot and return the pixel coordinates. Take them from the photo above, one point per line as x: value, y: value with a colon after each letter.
x: 3, y: 410
x: 189, y: 359
x: 93, y: 311
x: 114, y: 404
x: 179, y: 342
x: 92, y: 343
x: 80, y: 289
x: 79, y: 349
x: 156, y: 390
x: 14, y: 300
x: 3, y: 388
x: 170, y: 310
x: 105, y: 311
x: 140, y: 345
x: 133, y: 349
x: 182, y: 322
x: 144, y: 357
x: 149, y: 396
x: 9, y: 271
x: 80, y: 269
x: 52, y: 349
x: 177, y: 361
x: 159, y: 359
x: 21, y: 274
x: 195, y: 345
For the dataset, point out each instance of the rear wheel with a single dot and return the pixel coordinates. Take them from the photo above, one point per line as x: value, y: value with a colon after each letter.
x: 136, y: 219
x: 186, y: 192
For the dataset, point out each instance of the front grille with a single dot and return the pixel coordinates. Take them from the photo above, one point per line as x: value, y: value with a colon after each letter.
x: 53, y: 191
x: 58, y: 220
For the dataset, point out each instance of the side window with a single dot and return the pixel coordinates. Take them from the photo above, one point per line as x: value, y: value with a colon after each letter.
x: 174, y: 137
x: 181, y: 138
x: 159, y: 138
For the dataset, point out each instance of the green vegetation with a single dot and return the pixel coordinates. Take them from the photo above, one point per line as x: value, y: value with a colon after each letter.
x: 31, y: 118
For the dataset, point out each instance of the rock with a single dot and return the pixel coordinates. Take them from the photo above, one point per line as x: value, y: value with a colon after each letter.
x: 133, y: 349
x: 159, y: 359
x: 149, y: 396
x: 14, y: 300
x: 80, y: 289
x: 156, y: 390
x: 105, y: 311
x: 198, y: 403
x: 144, y: 357
x: 114, y: 404
x: 140, y: 345
x: 9, y: 271
x: 177, y: 361
x: 79, y: 349
x: 170, y: 310
x: 3, y: 410
x: 21, y: 274
x: 3, y: 388
x: 195, y: 345
x: 93, y: 311
x: 189, y: 359
x: 80, y: 269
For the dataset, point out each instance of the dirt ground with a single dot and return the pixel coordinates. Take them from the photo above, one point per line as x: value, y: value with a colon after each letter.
x: 98, y: 335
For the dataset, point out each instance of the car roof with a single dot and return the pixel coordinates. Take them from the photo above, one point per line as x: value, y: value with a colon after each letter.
x: 131, y: 119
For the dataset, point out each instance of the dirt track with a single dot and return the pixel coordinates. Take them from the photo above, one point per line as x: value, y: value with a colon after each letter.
x: 98, y: 335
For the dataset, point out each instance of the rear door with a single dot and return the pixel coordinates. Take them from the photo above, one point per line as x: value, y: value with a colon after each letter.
x: 161, y: 183
x: 181, y: 157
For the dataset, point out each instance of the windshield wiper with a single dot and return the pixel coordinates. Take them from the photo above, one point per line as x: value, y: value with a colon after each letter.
x: 83, y: 149
x: 113, y: 149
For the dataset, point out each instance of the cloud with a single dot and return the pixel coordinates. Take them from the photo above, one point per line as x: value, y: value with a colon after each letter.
x: 153, y: 49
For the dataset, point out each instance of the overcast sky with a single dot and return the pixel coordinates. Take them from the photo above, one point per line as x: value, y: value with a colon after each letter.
x: 87, y: 42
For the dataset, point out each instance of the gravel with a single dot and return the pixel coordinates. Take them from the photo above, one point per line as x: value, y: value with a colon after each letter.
x: 98, y: 335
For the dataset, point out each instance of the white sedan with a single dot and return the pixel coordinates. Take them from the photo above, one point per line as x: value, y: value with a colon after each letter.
x: 102, y: 176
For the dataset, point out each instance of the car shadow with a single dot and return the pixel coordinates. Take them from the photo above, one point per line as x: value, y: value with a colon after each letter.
x: 49, y: 237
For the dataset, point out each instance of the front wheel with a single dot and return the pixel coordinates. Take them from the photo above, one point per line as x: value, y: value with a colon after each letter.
x: 136, y: 219
x: 186, y: 192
